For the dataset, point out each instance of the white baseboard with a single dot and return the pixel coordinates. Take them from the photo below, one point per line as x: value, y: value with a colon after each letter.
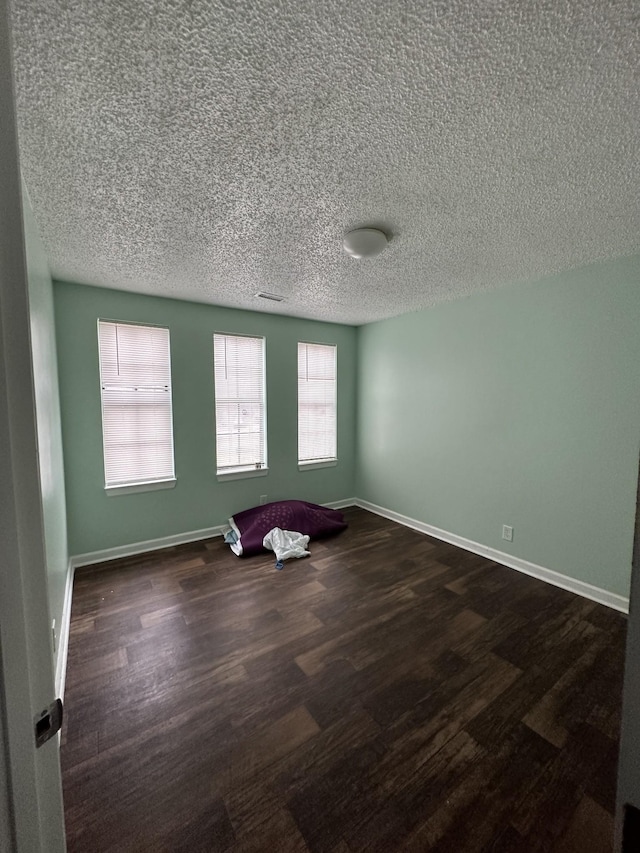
x: 587, y: 590
x: 143, y: 547
x: 63, y: 634
x: 341, y: 504
x: 134, y: 548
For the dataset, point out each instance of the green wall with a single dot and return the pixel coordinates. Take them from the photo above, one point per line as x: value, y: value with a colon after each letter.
x: 47, y: 406
x: 521, y: 407
x: 97, y: 521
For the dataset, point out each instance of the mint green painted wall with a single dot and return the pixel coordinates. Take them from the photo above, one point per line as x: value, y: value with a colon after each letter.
x: 520, y: 406
x: 47, y: 405
x: 198, y: 501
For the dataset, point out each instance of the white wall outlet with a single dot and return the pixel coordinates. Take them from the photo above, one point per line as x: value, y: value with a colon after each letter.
x: 53, y: 634
x: 507, y: 532
x: 263, y: 500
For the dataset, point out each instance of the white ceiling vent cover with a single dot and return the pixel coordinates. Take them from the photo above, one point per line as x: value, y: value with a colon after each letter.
x: 271, y: 296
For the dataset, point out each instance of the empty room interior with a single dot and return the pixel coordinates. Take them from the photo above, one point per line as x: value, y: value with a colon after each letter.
x: 372, y: 268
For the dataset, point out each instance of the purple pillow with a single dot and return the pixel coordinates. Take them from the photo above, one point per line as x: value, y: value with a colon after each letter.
x: 252, y: 525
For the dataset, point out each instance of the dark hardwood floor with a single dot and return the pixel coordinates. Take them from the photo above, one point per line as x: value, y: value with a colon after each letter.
x: 389, y: 693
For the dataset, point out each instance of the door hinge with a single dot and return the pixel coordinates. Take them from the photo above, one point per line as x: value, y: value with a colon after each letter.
x: 48, y: 722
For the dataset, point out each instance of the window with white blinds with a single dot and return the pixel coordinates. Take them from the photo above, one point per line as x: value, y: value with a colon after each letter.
x: 137, y: 423
x: 239, y: 376
x: 317, y: 403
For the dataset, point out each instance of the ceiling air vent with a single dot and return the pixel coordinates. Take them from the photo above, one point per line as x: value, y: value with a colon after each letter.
x: 272, y: 296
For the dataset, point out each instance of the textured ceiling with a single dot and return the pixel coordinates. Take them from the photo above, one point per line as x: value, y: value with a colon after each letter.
x: 207, y: 150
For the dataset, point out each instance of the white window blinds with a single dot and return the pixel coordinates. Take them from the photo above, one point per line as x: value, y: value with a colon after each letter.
x: 239, y: 376
x: 317, y: 406
x: 137, y: 426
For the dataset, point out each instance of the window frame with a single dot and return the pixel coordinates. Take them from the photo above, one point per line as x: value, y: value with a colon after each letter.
x: 240, y: 472
x: 139, y: 485
x: 320, y: 462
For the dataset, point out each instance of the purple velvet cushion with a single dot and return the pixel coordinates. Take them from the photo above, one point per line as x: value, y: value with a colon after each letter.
x: 313, y: 520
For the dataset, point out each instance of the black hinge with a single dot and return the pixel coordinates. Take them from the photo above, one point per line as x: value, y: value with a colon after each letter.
x: 48, y: 722
x: 631, y: 829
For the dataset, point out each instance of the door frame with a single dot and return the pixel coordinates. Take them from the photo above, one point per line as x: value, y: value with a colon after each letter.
x: 628, y: 791
x: 31, y: 810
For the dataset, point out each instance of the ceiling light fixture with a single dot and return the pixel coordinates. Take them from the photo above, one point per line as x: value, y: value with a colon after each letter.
x: 364, y: 242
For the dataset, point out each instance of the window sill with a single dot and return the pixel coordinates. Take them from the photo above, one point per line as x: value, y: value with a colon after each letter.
x: 241, y: 473
x: 131, y: 488
x: 321, y: 463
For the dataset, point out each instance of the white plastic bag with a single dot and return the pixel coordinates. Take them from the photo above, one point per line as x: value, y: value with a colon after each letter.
x: 286, y: 544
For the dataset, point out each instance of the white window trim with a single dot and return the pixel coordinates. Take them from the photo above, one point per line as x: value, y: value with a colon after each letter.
x: 132, y: 488
x: 321, y: 463
x: 312, y: 464
x: 144, y: 485
x: 242, y: 472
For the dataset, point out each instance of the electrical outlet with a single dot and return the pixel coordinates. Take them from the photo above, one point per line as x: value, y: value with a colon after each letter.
x: 507, y: 532
x: 53, y: 634
x: 263, y: 500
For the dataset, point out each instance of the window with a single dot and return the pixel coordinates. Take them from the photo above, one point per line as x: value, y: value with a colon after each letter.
x: 317, y: 404
x: 238, y: 365
x: 137, y: 426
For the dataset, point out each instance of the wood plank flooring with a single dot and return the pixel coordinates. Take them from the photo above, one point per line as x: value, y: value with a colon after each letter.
x: 390, y: 693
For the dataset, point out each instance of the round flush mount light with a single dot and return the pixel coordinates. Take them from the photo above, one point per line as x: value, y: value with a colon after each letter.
x: 364, y: 242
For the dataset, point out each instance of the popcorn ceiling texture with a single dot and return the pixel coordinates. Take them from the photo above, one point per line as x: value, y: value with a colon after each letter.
x: 207, y: 150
